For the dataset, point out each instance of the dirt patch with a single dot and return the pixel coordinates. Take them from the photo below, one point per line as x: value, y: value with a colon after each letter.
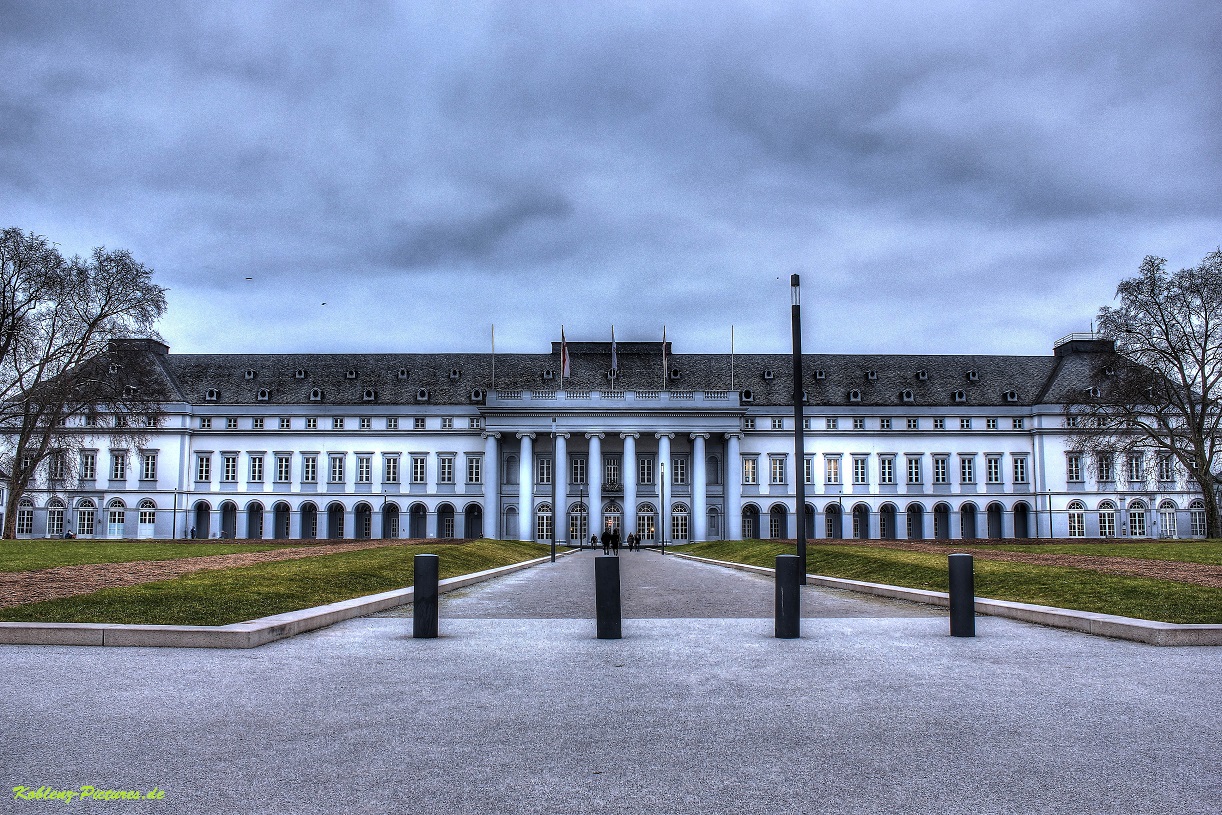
x: 19, y: 588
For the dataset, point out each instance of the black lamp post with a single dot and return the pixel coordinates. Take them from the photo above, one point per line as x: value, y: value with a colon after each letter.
x: 798, y: 430
x: 555, y: 487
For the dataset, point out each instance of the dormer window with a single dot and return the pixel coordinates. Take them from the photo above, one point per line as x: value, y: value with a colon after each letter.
x: 1109, y: 371
x: 768, y: 373
x: 854, y: 395
x: 249, y: 375
x: 210, y: 394
x: 871, y: 375
x: 455, y: 374
x: 299, y: 373
x: 820, y: 374
x: 369, y: 395
x: 960, y: 396
x: 1093, y: 392
x: 549, y: 375
x: 805, y: 396
x: 674, y: 373
x: 403, y: 373
x: 114, y: 367
x: 747, y: 396
x: 477, y: 394
x: 350, y: 373
x: 316, y: 395
x: 422, y: 395
x: 1011, y: 396
x: 906, y: 395
x: 973, y: 376
x: 922, y: 376
x: 263, y: 394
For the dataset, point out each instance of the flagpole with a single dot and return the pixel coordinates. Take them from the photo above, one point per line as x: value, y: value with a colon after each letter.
x: 493, y: 386
x: 731, y: 356
x: 664, y: 357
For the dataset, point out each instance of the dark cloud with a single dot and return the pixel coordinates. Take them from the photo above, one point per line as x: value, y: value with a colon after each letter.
x: 948, y: 177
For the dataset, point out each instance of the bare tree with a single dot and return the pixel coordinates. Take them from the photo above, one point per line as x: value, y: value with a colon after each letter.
x: 1162, y: 391
x: 58, y: 362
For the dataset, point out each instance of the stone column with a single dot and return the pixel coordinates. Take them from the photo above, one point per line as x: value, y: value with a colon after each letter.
x: 629, y: 474
x: 492, y: 487
x: 700, y: 488
x: 666, y: 492
x: 526, y: 487
x: 560, y: 477
x: 594, y: 476
x: 734, y: 487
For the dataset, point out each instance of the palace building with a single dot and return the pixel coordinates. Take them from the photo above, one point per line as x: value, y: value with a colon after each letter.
x: 688, y: 447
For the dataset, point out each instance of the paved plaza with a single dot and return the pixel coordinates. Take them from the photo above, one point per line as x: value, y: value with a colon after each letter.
x: 517, y: 708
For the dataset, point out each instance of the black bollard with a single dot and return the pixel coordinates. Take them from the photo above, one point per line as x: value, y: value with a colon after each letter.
x: 962, y: 596
x: 606, y: 596
x: 424, y: 597
x: 788, y: 598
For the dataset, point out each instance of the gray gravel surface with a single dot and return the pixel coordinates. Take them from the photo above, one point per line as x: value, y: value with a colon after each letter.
x: 684, y: 715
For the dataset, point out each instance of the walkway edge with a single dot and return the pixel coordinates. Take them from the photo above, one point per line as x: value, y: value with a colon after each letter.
x: 1150, y: 632
x: 249, y: 634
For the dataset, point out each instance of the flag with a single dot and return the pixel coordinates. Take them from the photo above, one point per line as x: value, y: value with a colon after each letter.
x: 664, y: 368
x: 614, y: 358
x: 564, y: 357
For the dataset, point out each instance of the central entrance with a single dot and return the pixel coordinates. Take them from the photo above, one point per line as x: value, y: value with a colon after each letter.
x: 613, y: 515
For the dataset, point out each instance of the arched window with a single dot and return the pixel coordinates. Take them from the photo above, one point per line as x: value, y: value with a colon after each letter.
x: 679, y: 522
x: 1107, y: 520
x: 543, y: 522
x: 1196, y: 512
x: 713, y: 464
x: 579, y: 523
x: 647, y: 521
x: 1077, y: 519
x: 116, y: 514
x: 511, y: 469
x: 1137, y: 519
x: 1167, y: 526
x: 55, y: 517
x: 25, y: 517
x: 85, y: 513
x: 148, y: 518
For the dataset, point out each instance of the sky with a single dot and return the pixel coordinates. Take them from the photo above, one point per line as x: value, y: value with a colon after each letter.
x: 946, y: 177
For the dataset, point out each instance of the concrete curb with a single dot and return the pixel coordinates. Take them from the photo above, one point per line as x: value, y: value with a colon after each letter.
x: 1150, y: 632
x: 249, y: 634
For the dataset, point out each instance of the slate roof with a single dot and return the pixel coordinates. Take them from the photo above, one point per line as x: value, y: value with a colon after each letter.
x: 449, y: 379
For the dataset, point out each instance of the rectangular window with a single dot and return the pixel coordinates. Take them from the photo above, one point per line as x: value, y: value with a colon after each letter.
x: 913, y: 424
x: 364, y: 469
x: 475, y: 422
x: 284, y: 468
x: 884, y: 424
x: 256, y: 468
x: 366, y: 423
x: 611, y: 470
x: 57, y: 467
x: 646, y: 470
x: 256, y: 423
x: 312, y: 423
x: 337, y: 423
x: 148, y: 469
x: 118, y: 465
x: 808, y: 423
x: 939, y: 424
x: 965, y: 424
x: 886, y: 469
x: 55, y: 521
x: 445, y: 470
x: 418, y: 471
x: 1077, y: 523
x: 832, y: 423
x: 309, y: 469
x: 337, y: 469
x: 231, y: 423
x: 447, y: 423
x: 205, y: 423
x: 832, y: 469
x: 859, y: 424
x: 1106, y: 468
x: 914, y: 469
x: 286, y: 423
x: 1165, y: 471
x: 418, y: 423
x: 990, y: 424
x: 860, y: 470
x: 967, y: 469
x: 203, y: 468
x: 475, y: 469
x: 678, y: 470
x: 992, y: 465
x: 543, y: 469
x: 776, y: 466
x: 390, y: 470
x: 392, y: 423
x: 750, y: 476
x: 1020, y: 470
x: 941, y: 470
x: 578, y: 464
x: 749, y: 423
x: 778, y: 424
x: 1073, y: 467
x: 808, y: 469
x: 1136, y: 469
x: 230, y: 468
x: 1018, y: 424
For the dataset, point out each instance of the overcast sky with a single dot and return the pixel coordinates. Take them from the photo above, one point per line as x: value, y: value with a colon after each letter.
x: 947, y: 177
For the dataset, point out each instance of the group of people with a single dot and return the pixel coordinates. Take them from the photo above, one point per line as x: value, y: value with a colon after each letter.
x: 611, y: 541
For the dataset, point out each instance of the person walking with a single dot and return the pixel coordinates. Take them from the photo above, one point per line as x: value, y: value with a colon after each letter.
x: 593, y: 541
x: 606, y: 541
x: 615, y: 540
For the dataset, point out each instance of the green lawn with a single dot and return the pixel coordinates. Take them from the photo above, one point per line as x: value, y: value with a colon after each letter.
x: 24, y: 555
x: 228, y: 596
x: 1188, y: 551
x: 1063, y: 587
